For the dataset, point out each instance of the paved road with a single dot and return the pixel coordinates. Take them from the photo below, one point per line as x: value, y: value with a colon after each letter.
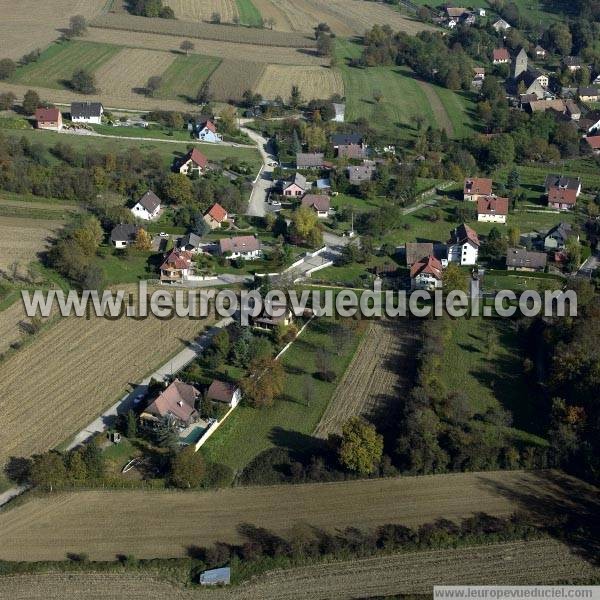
x: 126, y: 403
x: 258, y: 206
x: 589, y: 266
x: 12, y: 493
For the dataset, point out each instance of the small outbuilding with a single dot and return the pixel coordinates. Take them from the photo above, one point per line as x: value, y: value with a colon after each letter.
x: 216, y: 577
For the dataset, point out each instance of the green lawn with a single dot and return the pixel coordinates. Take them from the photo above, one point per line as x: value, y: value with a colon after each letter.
x: 460, y: 107
x: 133, y: 267
x: 249, y: 14
x: 152, y: 131
x: 56, y: 65
x: 186, y: 74
x: 289, y: 422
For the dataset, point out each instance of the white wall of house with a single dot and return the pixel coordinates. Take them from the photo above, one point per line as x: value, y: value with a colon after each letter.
x: 424, y: 281
x: 484, y: 218
x: 141, y: 213
x: 120, y: 244
x: 206, y: 135
x: 252, y: 255
x: 94, y: 120
x: 463, y: 254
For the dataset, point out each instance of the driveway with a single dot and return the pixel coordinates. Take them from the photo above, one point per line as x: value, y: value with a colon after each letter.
x: 258, y: 206
x: 588, y: 267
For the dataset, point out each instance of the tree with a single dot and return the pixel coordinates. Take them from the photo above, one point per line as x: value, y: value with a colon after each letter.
x: 454, y: 278
x: 7, y: 68
x: 84, y: 82
x: 361, y: 447
x: 48, y: 470
x: 131, y: 428
x: 560, y: 38
x: 7, y: 100
x: 153, y: 85
x: 77, y: 25
x: 295, y: 97
x: 324, y: 45
x: 265, y: 381
x: 187, y: 468
x: 378, y: 96
x: 187, y: 46
x: 204, y: 95
x: 215, y: 18
x: 31, y: 101
x: 143, y: 240
x: 514, y: 236
x: 177, y: 188
x: 304, y: 222
x: 76, y: 467
x: 94, y: 460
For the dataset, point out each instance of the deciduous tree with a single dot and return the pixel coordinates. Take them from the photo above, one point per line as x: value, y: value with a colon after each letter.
x: 361, y: 447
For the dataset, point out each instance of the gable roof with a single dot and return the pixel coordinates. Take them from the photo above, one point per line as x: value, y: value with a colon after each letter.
x: 500, y: 54
x: 360, y: 173
x: 560, y: 181
x: 125, y: 232
x: 177, y: 259
x: 47, y: 115
x: 150, y: 201
x: 520, y: 257
x: 341, y: 139
x: 588, y: 91
x: 351, y: 151
x: 492, y: 205
x: 562, y: 231
x: 190, y: 239
x: 217, y: 212
x: 178, y: 399
x: 241, y: 243
x: 221, y: 391
x: 208, y: 124
x: 319, y: 202
x: 478, y: 185
x: 86, y: 110
x: 572, y: 61
x: 299, y: 180
x: 428, y: 265
x: 455, y: 12
x: 562, y: 195
x: 309, y: 159
x: 415, y: 251
x: 558, y: 105
x: 593, y: 141
x: 196, y: 157
x: 462, y: 234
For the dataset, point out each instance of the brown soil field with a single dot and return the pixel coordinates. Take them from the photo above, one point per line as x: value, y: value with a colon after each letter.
x: 202, y: 10
x: 128, y: 71
x: 314, y: 82
x: 233, y: 77
x: 10, y: 329
x: 23, y: 239
x: 57, y: 384
x: 166, y: 523
x: 374, y: 379
x: 30, y: 24
x: 544, y: 561
x: 345, y: 17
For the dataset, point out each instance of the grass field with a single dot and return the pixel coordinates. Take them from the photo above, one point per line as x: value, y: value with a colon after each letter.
x: 106, y: 523
x: 249, y: 431
x: 248, y: 13
x: 185, y: 76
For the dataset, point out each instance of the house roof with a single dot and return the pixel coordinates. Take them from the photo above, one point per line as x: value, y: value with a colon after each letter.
x: 594, y: 142
x: 543, y: 105
x: 177, y: 259
x: 150, y: 201
x: 341, y: 139
x: 428, y: 265
x: 588, y: 91
x: 208, y: 124
x: 455, y: 12
x: 360, y: 173
x: 191, y: 239
x: 520, y: 257
x: 562, y: 195
x: 572, y: 107
x: 125, y: 232
x: 242, y: 243
x: 463, y: 233
x: 178, y: 399
x: 47, y: 115
x: 415, y: 251
x: 560, y: 181
x: 86, y: 110
x: 221, y: 391
x: 299, y: 180
x: 501, y: 54
x: 319, y: 202
x: 196, y: 157
x: 562, y: 231
x: 478, y: 185
x: 312, y: 159
x: 572, y: 61
x: 351, y: 151
x: 539, y: 50
x: 217, y: 212
x: 501, y: 24
x: 492, y: 205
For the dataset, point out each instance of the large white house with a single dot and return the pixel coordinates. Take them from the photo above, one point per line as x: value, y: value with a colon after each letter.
x: 242, y: 246
x: 463, y: 246
x: 426, y: 274
x: 492, y: 209
x: 87, y: 112
x: 148, y: 207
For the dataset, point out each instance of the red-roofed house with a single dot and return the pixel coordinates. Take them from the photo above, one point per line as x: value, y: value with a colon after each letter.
x: 492, y: 209
x: 463, y: 246
x: 176, y: 267
x: 48, y: 118
x: 223, y: 391
x: 207, y: 132
x: 194, y: 160
x: 320, y: 204
x: 594, y: 143
x: 477, y: 187
x: 426, y: 274
x: 562, y: 198
x: 177, y: 404
x: 500, y: 56
x: 242, y: 246
x: 216, y: 216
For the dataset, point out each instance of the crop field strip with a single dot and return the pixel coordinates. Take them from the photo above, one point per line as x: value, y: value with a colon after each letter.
x: 47, y: 527
x: 313, y: 82
x: 202, y: 10
x: 10, y: 329
x: 233, y: 77
x: 183, y: 78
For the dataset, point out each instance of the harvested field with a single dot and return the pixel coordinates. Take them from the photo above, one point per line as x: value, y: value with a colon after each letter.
x: 233, y: 77
x: 202, y: 10
x: 221, y: 49
x: 376, y: 378
x: 129, y: 70
x: 314, y: 82
x: 107, y: 356
x: 205, y: 31
x: 30, y: 24
x: 105, y: 523
x: 10, y: 328
x: 23, y: 239
x: 544, y: 561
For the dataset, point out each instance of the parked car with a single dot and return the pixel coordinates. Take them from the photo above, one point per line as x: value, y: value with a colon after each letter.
x: 162, y: 234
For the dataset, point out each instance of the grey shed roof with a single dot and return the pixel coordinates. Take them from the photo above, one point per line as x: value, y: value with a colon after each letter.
x: 520, y: 257
x: 191, y: 239
x: 150, y: 201
x: 340, y: 139
x: 216, y: 576
x: 124, y: 232
x: 313, y: 159
x: 561, y: 231
x: 85, y: 110
x: 300, y: 180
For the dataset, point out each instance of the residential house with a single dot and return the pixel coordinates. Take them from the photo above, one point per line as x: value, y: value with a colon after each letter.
x: 591, y: 123
x: 501, y: 25
x: 339, y: 110
x: 319, y: 203
x: 562, y: 191
x: 243, y: 246
x: 520, y: 259
x: 215, y: 216
x: 594, y: 143
x: 426, y: 274
x: 343, y: 139
x: 147, y: 207
x: 87, y: 112
x: 478, y: 74
x: 48, y: 118
x: 207, y: 132
x: 176, y: 404
x: 189, y: 243
x: 540, y: 52
x: 557, y: 237
x: 193, y: 161
x: 123, y: 235
x: 492, y: 209
x: 358, y: 174
x: 310, y: 160
x: 589, y: 94
x: 225, y: 392
x: 296, y: 188
x: 176, y: 267
x: 500, y: 56
x: 559, y: 105
x: 352, y: 151
x: 571, y: 183
x: 477, y: 187
x: 463, y: 246
x: 573, y: 110
x: 455, y: 13
x: 573, y: 63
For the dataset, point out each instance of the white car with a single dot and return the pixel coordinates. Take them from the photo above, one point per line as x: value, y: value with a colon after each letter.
x: 275, y: 203
x: 273, y: 163
x: 162, y: 234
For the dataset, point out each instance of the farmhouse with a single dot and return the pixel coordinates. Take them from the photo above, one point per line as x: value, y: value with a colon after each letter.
x: 557, y: 237
x: 492, y: 209
x: 176, y: 404
x: 215, y: 216
x: 194, y: 160
x: 589, y: 94
x: 189, y: 243
x: 426, y: 274
x: 243, y: 246
x: 48, y: 118
x: 225, y: 392
x: 147, y: 207
x: 123, y: 235
x: 319, y: 203
x: 463, y: 246
x: 361, y: 173
x: 594, y: 143
x: 520, y: 259
x: 311, y: 160
x: 176, y: 267
x: 87, y: 112
x: 477, y: 187
x: 297, y: 187
x: 500, y: 56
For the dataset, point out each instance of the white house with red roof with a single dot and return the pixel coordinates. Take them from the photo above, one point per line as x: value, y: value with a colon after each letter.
x: 215, y: 216
x: 463, y: 246
x: 241, y: 246
x: 147, y: 207
x: 500, y: 56
x: 176, y: 267
x: 207, y: 132
x: 193, y: 161
x: 492, y: 209
x: 426, y: 274
x: 48, y: 118
x: 477, y: 187
x: 177, y: 404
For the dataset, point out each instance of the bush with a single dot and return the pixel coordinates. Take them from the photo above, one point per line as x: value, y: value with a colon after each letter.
x: 7, y: 68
